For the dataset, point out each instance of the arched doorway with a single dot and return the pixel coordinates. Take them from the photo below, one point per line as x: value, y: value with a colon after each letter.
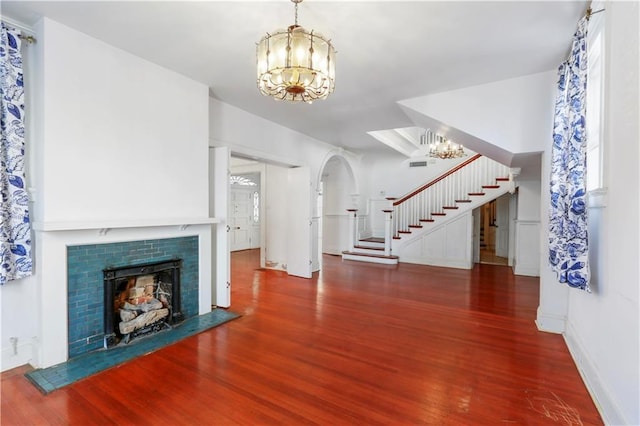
x: 337, y: 191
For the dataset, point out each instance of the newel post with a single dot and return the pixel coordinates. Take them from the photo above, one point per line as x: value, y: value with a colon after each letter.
x: 387, y: 232
x: 353, y: 213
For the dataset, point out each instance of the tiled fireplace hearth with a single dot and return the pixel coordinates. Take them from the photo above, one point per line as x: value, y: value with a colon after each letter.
x: 85, y: 276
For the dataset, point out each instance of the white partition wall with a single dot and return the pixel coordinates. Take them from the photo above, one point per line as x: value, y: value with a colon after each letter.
x: 114, y: 159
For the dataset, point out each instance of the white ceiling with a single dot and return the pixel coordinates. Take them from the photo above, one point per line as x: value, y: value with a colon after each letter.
x: 387, y: 50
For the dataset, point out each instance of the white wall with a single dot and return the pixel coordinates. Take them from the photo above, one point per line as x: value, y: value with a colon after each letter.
x: 113, y: 147
x: 253, y: 136
x: 121, y: 137
x: 602, y: 328
x: 381, y: 166
x: 529, y: 200
x: 509, y: 114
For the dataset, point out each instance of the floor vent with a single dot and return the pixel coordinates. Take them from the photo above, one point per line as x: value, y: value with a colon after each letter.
x: 418, y: 164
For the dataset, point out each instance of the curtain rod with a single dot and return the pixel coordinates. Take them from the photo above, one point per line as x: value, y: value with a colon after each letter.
x: 28, y: 38
x: 25, y: 33
x: 591, y: 12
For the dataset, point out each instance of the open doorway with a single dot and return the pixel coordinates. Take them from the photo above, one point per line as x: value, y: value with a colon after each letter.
x: 492, y: 232
x: 337, y: 192
x: 244, y: 211
x: 270, y: 210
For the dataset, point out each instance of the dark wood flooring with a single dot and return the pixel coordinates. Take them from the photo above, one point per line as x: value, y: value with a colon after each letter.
x: 358, y: 344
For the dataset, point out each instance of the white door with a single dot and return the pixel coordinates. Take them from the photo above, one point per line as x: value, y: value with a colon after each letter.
x: 299, y: 222
x: 502, y: 226
x: 218, y: 208
x: 241, y: 218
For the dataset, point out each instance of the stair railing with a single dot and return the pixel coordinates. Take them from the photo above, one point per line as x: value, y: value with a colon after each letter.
x: 444, y: 192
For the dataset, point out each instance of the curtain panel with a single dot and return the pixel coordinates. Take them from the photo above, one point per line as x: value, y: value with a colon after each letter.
x: 568, y: 239
x: 15, y: 228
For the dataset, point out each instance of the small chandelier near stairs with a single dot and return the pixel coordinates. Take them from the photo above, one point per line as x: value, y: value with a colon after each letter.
x: 295, y: 64
x: 441, y: 147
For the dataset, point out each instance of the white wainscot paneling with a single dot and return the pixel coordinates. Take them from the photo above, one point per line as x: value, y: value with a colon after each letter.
x: 527, y: 252
x: 448, y: 245
x: 335, y: 233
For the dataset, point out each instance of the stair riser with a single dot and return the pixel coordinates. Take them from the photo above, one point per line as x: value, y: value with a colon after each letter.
x: 367, y: 251
x: 369, y: 259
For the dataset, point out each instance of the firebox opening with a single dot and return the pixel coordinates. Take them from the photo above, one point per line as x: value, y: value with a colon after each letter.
x: 140, y: 300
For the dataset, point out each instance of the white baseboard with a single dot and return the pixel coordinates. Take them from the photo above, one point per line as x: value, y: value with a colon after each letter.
x: 550, y: 323
x: 24, y: 354
x: 605, y: 403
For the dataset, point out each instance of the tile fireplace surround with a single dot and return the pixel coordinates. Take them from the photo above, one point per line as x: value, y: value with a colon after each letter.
x: 70, y: 270
x: 85, y: 264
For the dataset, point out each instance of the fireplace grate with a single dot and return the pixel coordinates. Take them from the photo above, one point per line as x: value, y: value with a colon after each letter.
x: 140, y: 300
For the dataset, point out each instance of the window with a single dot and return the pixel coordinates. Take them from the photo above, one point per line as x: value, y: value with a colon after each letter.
x: 256, y: 207
x: 594, y: 101
x: 242, y: 180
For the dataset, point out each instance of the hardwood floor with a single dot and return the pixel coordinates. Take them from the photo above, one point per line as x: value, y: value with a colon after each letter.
x: 357, y: 344
x: 488, y: 256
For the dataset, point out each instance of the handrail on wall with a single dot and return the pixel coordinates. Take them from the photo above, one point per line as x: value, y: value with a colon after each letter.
x: 436, y: 180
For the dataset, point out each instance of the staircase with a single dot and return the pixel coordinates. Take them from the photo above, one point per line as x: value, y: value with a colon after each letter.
x: 371, y: 250
x: 465, y: 187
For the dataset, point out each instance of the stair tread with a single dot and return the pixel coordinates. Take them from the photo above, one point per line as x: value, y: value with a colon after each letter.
x: 502, y: 179
x: 490, y: 186
x: 372, y: 240
x: 381, y: 256
x: 464, y: 201
x: 438, y: 214
x: 476, y: 193
x: 415, y: 226
x: 427, y: 220
x: 451, y: 207
x: 368, y: 248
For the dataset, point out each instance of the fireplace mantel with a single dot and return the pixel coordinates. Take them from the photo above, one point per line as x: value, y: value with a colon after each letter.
x: 56, y: 237
x: 103, y: 226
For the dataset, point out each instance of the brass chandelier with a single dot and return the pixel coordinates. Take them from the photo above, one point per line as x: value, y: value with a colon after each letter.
x: 441, y: 147
x: 295, y: 64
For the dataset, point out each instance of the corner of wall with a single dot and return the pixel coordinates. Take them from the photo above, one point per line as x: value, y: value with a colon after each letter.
x: 550, y: 323
x: 24, y: 352
x: 603, y: 399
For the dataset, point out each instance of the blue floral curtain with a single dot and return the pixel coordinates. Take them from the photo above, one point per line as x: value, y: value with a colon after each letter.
x: 568, y: 242
x: 15, y: 229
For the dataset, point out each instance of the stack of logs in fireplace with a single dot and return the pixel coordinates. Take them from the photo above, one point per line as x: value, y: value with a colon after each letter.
x: 144, y: 302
